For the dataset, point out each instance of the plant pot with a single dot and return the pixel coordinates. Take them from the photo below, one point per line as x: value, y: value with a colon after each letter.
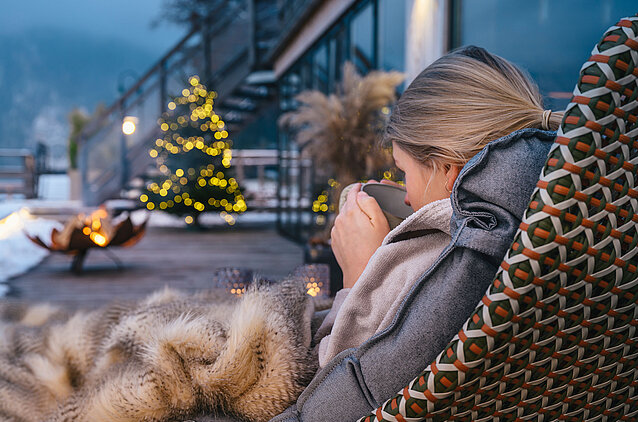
x: 75, y: 184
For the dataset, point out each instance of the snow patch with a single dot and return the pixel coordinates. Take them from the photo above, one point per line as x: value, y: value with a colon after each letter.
x: 17, y: 253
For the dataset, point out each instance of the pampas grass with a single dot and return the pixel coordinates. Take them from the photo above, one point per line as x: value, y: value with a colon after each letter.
x: 340, y: 131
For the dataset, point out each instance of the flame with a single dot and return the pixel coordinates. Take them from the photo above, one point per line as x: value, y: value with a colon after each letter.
x: 93, y: 227
x: 313, y: 289
x: 313, y: 286
x: 98, y: 239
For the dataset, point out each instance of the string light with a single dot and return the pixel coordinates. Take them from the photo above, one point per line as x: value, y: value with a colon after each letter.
x: 193, y: 133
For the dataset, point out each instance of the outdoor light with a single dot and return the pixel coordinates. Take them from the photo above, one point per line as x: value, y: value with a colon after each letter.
x: 129, y: 125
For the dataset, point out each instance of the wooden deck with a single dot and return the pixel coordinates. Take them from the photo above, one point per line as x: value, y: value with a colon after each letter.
x: 172, y: 257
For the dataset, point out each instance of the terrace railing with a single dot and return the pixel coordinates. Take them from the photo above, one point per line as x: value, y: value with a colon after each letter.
x: 17, y: 172
x: 258, y: 172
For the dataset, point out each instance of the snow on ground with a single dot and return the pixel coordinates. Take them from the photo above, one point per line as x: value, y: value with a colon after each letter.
x: 17, y: 252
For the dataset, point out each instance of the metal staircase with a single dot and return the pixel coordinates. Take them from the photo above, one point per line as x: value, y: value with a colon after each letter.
x: 226, y: 53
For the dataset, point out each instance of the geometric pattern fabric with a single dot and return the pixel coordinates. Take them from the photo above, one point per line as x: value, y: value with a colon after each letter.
x: 555, y: 336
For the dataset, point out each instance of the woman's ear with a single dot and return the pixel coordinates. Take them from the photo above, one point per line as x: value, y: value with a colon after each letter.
x: 450, y: 175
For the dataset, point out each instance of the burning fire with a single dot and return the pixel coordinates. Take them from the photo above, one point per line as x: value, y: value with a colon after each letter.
x: 94, y: 228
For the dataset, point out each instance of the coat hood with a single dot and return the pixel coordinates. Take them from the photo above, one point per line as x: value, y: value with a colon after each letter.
x: 494, y: 188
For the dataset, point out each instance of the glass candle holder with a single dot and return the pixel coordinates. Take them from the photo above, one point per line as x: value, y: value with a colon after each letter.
x: 233, y: 280
x: 316, y: 278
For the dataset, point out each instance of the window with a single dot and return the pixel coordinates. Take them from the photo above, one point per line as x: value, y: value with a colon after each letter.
x: 362, y: 39
x: 320, y: 68
x: 392, y: 17
x: 550, y: 39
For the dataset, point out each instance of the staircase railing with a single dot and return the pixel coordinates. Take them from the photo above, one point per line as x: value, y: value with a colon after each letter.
x: 216, y: 51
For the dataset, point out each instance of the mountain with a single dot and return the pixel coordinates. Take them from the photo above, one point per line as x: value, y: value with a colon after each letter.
x: 45, y: 73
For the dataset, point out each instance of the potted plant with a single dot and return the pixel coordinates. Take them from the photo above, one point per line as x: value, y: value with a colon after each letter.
x: 78, y: 119
x: 336, y: 131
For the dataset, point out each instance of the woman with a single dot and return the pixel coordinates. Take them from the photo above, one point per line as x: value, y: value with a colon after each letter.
x: 447, y: 115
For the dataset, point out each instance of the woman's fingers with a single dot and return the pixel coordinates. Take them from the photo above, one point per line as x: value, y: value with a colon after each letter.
x: 355, y: 189
x: 370, y: 207
x: 358, y: 231
x: 351, y: 198
x: 390, y: 182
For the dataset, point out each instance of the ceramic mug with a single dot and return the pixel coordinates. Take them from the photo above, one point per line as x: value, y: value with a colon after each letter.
x: 390, y: 199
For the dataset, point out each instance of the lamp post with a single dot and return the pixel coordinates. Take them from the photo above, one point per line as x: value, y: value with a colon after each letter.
x: 129, y: 125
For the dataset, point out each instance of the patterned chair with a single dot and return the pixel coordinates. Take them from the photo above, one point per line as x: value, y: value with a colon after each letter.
x: 555, y: 337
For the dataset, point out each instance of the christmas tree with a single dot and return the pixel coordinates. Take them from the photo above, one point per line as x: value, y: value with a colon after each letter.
x: 193, y: 158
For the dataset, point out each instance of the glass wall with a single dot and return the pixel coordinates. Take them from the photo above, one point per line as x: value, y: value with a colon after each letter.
x: 362, y: 36
x: 550, y: 39
x: 372, y: 36
x: 391, y: 42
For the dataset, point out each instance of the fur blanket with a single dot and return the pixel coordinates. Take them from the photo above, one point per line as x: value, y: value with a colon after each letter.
x: 167, y: 357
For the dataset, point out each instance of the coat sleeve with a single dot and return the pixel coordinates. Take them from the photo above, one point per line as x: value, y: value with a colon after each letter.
x: 357, y: 380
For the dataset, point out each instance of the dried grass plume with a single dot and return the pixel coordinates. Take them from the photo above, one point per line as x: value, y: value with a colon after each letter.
x: 340, y: 131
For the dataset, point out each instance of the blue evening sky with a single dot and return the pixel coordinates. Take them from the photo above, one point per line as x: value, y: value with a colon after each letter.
x: 128, y: 20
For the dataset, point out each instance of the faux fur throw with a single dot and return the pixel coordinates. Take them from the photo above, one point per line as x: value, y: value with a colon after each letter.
x: 169, y: 357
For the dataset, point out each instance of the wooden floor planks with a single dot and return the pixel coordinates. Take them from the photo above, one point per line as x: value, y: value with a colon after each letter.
x: 164, y: 257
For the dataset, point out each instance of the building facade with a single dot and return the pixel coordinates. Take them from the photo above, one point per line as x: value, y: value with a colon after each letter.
x: 548, y: 39
x: 259, y: 54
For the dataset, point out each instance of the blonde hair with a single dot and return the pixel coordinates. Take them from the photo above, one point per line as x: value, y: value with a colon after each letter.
x: 461, y: 102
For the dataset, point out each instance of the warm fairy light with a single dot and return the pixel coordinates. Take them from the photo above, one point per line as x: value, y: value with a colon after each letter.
x: 191, y: 126
x: 128, y: 128
x: 313, y: 288
x: 320, y: 204
x: 129, y: 125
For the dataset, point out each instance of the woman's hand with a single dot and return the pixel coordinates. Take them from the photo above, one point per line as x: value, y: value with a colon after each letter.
x: 357, y: 233
x: 387, y: 182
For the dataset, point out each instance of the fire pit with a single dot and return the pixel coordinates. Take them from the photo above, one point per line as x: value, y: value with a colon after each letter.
x: 83, y: 233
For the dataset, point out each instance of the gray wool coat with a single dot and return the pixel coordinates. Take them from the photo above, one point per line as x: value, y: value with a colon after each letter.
x: 488, y: 199
x: 370, y: 305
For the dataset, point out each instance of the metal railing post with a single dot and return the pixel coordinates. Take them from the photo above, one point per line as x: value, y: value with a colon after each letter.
x: 83, y: 158
x: 162, y: 87
x: 123, y: 151
x: 206, y: 41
